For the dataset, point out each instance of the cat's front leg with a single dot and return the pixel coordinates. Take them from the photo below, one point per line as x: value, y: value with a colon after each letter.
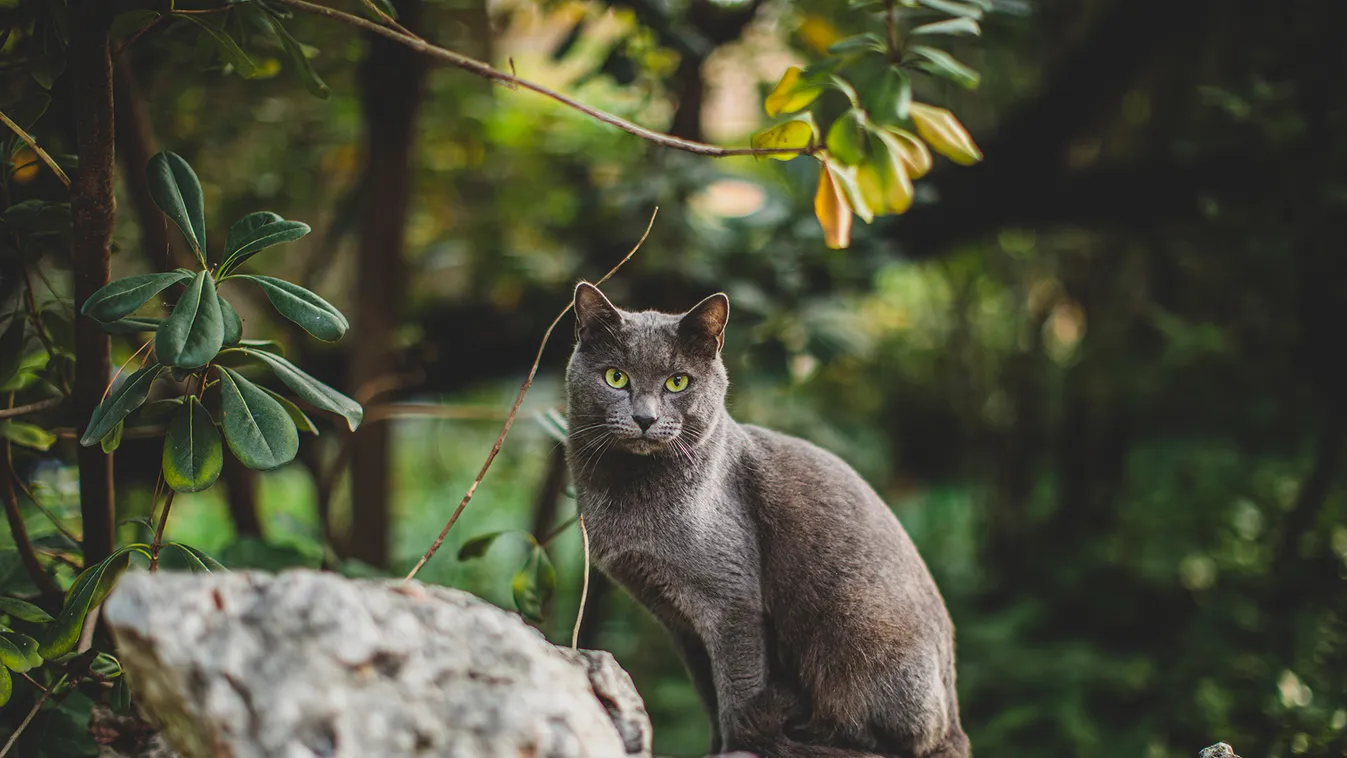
x: 737, y: 645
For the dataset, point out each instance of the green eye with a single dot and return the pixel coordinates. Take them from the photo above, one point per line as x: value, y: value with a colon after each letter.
x: 616, y: 379
x: 676, y: 383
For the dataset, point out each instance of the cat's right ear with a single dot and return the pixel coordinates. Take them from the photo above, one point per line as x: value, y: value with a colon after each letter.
x: 593, y: 313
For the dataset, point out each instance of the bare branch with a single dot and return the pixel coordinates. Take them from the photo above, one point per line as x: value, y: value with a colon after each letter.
x: 24, y: 410
x: 584, y: 588
x: 514, y: 410
x: 486, y: 71
x: 28, y: 138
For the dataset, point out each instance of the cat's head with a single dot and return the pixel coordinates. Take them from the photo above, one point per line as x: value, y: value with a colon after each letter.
x: 645, y: 382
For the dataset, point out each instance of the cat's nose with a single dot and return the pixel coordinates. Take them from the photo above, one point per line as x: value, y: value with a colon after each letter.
x: 643, y: 421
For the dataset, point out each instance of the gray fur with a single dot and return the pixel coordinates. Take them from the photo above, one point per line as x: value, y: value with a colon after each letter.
x: 807, y: 620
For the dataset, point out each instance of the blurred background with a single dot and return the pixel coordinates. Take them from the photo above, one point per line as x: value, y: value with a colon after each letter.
x: 1094, y: 375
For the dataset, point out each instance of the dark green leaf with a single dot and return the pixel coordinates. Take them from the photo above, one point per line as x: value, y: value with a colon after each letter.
x: 859, y: 43
x: 12, y: 342
x: 127, y: 397
x: 198, y: 559
x: 26, y: 435
x: 113, y: 439
x: 106, y: 666
x: 302, y: 422
x: 260, y: 433
x: 120, y: 698
x: 122, y: 297
x: 18, y: 652
x: 177, y: 192
x: 194, y: 332
x: 891, y: 98
x: 846, y: 137
x: 477, y: 546
x: 85, y: 594
x: 229, y: 49
x: 534, y: 584
x: 953, y: 26
x: 162, y: 408
x: 233, y: 325
x: 951, y: 8
x: 244, y: 228
x: 133, y: 325
x: 259, y: 239
x: 193, y: 455
x: 943, y: 64
x: 314, y: 314
x: 312, y: 390
x: 312, y: 82
x: 23, y: 611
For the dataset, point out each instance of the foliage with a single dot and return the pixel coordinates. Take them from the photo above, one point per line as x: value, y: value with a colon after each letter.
x: 860, y: 97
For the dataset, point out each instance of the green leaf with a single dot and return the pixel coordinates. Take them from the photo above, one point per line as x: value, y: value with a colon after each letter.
x: 259, y: 238
x: 962, y: 25
x: 314, y: 314
x: 260, y: 433
x: 244, y: 228
x: 868, y: 41
x: 302, y: 422
x: 6, y: 685
x: 193, y: 455
x: 122, y: 297
x: 951, y: 8
x: 194, y: 332
x: 846, y: 137
x: 27, y: 435
x: 120, y: 698
x: 176, y: 190
x: 312, y: 390
x: 553, y: 423
x: 229, y: 49
x: 23, y: 611
x: 113, y: 439
x: 943, y: 64
x: 197, y: 561
x: 796, y: 134
x: 233, y: 325
x: 106, y: 666
x: 477, y: 546
x: 11, y: 348
x: 891, y: 98
x: 312, y: 82
x: 85, y: 594
x: 18, y: 652
x: 127, y: 397
x: 845, y: 177
x: 133, y: 325
x: 161, y: 408
x: 534, y: 584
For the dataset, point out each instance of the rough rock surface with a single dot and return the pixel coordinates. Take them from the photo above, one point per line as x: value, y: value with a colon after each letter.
x: 251, y: 665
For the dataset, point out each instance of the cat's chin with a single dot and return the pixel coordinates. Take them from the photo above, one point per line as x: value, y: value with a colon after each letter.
x: 644, y: 446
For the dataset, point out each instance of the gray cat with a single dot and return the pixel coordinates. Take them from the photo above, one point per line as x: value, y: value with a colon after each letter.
x: 807, y: 620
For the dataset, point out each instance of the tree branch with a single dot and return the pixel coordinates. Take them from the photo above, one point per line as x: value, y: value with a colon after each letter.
x: 26, y: 137
x: 514, y: 410
x: 24, y: 410
x: 485, y: 71
x: 51, y: 594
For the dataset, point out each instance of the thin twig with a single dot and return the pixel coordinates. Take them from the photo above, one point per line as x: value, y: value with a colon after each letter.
x: 584, y: 588
x: 24, y: 410
x: 26, y: 137
x: 387, y: 19
x: 132, y: 39
x: 486, y: 71
x: 13, y: 738
x: 56, y: 522
x: 122, y: 367
x: 27, y: 555
x: 514, y: 410
x: 159, y: 530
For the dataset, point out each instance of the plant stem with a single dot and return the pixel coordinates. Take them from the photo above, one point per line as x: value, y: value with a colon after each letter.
x: 51, y: 594
x: 13, y: 738
x: 163, y: 521
x: 23, y: 410
x: 584, y: 588
x: 514, y: 410
x: 28, y: 138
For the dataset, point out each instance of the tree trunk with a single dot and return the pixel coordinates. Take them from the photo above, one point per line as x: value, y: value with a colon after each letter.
x: 391, y: 79
x: 92, y: 207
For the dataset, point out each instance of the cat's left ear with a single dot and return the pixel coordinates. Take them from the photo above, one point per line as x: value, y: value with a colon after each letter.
x: 704, y: 325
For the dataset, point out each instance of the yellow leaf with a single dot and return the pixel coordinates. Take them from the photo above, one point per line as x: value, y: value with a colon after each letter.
x: 818, y: 32
x: 794, y: 92
x: 898, y: 189
x: 25, y: 165
x: 796, y: 134
x: 945, y: 134
x: 916, y: 156
x: 845, y: 177
x: 832, y: 210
